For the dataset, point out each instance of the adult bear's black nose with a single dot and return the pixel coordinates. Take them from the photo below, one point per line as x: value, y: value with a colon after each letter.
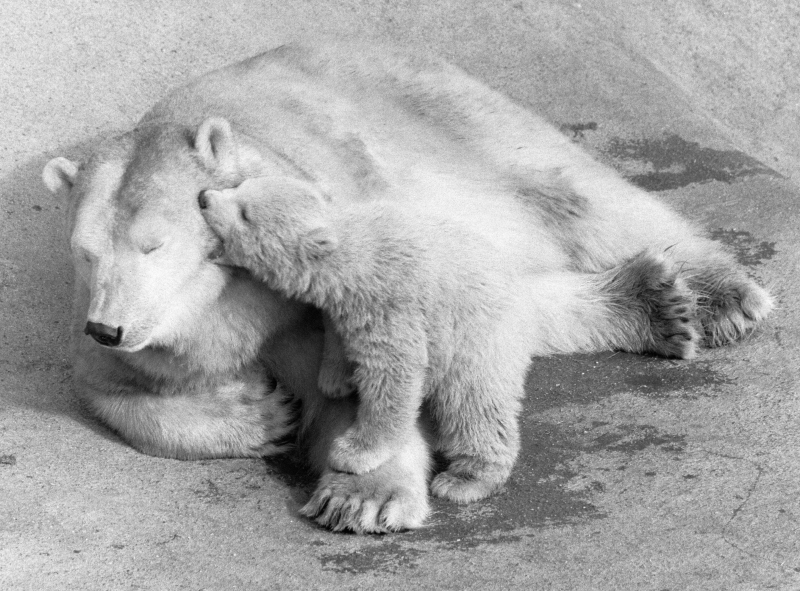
x: 103, y: 334
x: 202, y: 200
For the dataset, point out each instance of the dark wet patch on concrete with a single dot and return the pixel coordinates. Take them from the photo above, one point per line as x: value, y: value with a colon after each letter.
x: 537, y: 494
x: 749, y: 251
x: 634, y: 438
x: 582, y: 379
x: 672, y: 162
x: 534, y: 495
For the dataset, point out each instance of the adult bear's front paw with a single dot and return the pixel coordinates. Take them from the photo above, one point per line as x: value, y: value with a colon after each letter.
x: 377, y: 502
x: 393, y: 497
x: 350, y: 454
x: 279, y: 417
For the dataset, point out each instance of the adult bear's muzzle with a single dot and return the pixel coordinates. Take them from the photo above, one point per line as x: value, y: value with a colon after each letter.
x: 202, y: 199
x: 105, y: 335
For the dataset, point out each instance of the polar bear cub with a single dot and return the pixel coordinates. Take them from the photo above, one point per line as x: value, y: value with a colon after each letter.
x: 428, y: 311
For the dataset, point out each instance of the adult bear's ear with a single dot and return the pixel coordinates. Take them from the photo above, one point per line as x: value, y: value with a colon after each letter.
x: 216, y: 145
x: 59, y: 174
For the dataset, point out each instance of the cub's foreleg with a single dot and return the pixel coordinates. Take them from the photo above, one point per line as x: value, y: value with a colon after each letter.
x: 392, y: 497
x: 475, y: 411
x: 390, y: 357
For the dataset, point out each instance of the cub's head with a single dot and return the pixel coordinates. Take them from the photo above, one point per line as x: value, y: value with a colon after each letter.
x: 140, y: 246
x: 270, y: 223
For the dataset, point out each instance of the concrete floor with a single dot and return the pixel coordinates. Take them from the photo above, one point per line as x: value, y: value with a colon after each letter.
x: 637, y: 473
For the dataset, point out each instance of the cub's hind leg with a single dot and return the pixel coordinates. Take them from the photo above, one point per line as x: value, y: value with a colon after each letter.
x: 642, y: 305
x: 475, y: 411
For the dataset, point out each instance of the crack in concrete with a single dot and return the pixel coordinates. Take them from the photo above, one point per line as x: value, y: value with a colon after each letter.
x: 749, y: 493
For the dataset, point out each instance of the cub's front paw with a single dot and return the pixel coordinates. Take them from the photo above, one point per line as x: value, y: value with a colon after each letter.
x: 349, y: 454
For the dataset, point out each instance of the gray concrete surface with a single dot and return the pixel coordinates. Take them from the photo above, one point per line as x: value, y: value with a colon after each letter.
x: 636, y: 473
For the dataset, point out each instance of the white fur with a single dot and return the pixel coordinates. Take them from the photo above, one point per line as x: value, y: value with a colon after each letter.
x: 360, y: 125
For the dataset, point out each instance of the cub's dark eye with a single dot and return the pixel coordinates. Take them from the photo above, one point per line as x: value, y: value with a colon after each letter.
x: 243, y: 214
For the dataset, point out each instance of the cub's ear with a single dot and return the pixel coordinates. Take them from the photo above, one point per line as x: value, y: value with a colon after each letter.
x: 216, y: 145
x: 59, y: 174
x: 319, y: 242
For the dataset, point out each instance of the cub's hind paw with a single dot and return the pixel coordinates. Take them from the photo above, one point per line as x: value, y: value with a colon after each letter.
x: 673, y: 321
x: 657, y: 310
x: 462, y: 485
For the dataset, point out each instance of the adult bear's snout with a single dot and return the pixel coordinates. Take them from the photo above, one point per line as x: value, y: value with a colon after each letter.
x: 105, y: 335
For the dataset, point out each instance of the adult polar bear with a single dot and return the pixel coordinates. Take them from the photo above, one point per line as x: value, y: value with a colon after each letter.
x: 187, y: 351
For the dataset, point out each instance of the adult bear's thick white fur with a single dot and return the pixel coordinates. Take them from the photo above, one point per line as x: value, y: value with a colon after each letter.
x: 198, y: 346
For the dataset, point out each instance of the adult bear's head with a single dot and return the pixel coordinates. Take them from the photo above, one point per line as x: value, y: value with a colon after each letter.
x: 141, y: 248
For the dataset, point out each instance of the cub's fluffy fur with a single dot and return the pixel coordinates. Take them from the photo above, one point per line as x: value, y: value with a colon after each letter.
x: 428, y: 310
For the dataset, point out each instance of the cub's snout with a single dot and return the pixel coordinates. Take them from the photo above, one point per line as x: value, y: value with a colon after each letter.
x: 220, y: 210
